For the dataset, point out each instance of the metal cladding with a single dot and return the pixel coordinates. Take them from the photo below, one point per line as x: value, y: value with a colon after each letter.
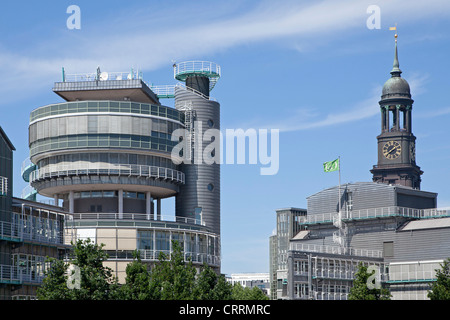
x: 201, y: 191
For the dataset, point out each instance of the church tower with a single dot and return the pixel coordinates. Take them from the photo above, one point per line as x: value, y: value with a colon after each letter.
x: 396, y: 143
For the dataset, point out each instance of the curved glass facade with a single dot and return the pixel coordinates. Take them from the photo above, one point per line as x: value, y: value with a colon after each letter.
x: 106, y: 106
x: 75, y: 160
x: 103, y: 124
x: 122, y: 237
x: 107, y: 141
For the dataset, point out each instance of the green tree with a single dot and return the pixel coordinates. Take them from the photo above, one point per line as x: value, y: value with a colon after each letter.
x: 96, y: 281
x: 169, y: 279
x: 210, y: 286
x: 137, y: 281
x: 54, y: 284
x: 247, y: 293
x: 440, y: 290
x: 361, y: 287
x: 173, y: 279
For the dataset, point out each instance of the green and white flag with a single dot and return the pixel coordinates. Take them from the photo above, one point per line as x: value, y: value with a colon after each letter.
x: 331, y: 166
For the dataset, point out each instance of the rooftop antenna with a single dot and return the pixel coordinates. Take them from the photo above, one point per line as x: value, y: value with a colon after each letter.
x: 104, y: 76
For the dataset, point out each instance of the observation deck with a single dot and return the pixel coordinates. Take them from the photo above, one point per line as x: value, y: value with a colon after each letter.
x: 207, y: 69
x: 105, y: 85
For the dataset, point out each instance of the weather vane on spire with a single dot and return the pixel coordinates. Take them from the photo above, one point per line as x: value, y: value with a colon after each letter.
x: 394, y: 28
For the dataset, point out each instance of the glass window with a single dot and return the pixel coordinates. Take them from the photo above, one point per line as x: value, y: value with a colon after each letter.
x: 130, y: 195
x: 96, y: 194
x: 198, y: 215
x: 162, y: 241
x: 109, y: 194
x: 141, y: 195
x: 145, y: 240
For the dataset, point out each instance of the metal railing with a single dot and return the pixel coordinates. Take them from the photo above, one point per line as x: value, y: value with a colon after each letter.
x: 195, y: 257
x: 9, y: 274
x: 9, y: 231
x: 210, y: 69
x: 168, y: 91
x: 19, y: 232
x: 393, y: 211
x: 335, y: 250
x: 135, y: 216
x: 13, y: 274
x: 101, y: 76
x: 111, y: 169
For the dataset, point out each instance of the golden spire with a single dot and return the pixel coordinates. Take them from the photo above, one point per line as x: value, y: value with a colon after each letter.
x: 395, y: 70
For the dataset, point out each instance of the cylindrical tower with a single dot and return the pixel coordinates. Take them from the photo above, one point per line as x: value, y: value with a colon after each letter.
x: 106, y: 153
x: 199, y: 197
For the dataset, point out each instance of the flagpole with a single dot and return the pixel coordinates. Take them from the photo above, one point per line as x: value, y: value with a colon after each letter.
x: 339, y: 212
x: 339, y: 161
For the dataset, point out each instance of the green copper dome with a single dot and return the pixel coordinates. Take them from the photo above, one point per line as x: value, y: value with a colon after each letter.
x: 396, y: 86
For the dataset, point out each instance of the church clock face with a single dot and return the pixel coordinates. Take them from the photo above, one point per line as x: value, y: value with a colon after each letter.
x: 392, y: 150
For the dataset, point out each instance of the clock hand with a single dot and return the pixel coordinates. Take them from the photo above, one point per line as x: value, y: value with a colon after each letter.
x: 394, y: 149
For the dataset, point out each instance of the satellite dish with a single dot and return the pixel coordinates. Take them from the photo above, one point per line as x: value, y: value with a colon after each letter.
x: 104, y: 76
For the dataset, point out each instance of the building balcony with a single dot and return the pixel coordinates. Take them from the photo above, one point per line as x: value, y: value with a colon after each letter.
x: 337, y: 250
x: 9, y: 232
x: 129, y: 170
x: 20, y: 232
x: 376, y: 213
x: 161, y: 181
x: 9, y: 274
x: 137, y: 217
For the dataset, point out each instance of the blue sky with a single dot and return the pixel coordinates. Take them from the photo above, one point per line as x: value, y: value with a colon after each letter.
x: 309, y: 68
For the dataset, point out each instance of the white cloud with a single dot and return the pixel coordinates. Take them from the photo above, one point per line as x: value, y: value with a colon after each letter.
x: 151, y: 43
x: 309, y: 118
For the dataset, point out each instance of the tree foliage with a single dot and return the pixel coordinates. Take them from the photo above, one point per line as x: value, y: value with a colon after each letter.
x: 245, y: 293
x: 440, y: 289
x: 361, y: 289
x: 96, y: 281
x: 171, y: 278
x: 54, y: 285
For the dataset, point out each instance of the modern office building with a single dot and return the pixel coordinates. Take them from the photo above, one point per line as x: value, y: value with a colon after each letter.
x: 29, y: 233
x: 288, y: 225
x: 105, y: 151
x: 389, y: 223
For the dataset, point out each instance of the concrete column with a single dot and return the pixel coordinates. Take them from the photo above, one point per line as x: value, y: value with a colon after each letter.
x: 71, y: 202
x: 397, y: 117
x: 148, y: 204
x: 120, y: 204
x: 55, y: 198
x: 387, y: 119
x: 408, y: 119
x: 158, y: 201
x: 405, y: 122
